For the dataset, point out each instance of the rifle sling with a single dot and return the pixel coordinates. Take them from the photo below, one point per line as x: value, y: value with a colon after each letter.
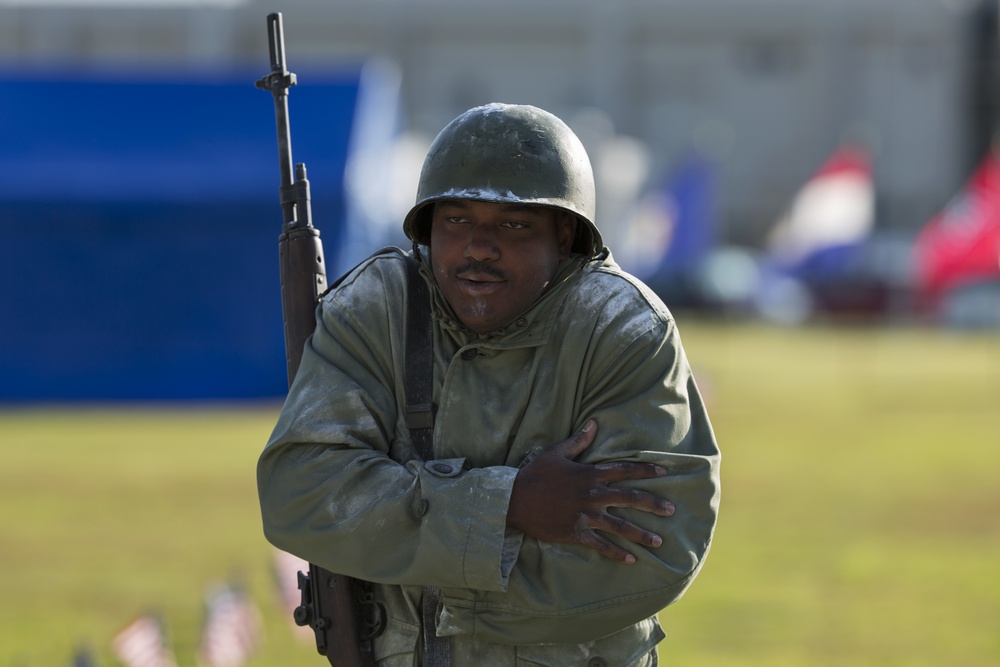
x: 420, y: 421
x: 419, y: 362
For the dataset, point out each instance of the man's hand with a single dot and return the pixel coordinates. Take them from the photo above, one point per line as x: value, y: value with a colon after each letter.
x: 555, y: 499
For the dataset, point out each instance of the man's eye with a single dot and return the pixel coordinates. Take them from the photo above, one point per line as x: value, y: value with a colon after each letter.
x: 513, y: 224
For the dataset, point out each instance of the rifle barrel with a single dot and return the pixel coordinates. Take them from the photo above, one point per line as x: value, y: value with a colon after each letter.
x: 278, y: 82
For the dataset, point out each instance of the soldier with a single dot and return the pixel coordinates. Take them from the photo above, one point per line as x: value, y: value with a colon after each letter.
x: 571, y: 486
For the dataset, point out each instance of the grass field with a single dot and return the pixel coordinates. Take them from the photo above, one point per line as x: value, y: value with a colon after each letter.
x: 860, y: 519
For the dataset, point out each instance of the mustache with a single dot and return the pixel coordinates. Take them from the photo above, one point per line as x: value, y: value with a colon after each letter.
x: 479, y: 268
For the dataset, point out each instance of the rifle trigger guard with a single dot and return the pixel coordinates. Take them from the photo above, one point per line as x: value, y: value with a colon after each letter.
x: 372, y: 617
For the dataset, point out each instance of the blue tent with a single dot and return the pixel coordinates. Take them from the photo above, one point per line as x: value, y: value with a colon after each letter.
x: 139, y: 220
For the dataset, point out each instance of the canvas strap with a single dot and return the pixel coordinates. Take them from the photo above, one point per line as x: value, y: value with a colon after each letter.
x: 419, y: 388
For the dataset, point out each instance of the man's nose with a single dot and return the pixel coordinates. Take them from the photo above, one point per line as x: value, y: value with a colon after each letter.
x: 481, y: 244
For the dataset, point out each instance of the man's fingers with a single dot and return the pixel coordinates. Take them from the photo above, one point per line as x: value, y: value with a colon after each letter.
x: 616, y: 471
x: 636, y: 499
x: 607, y: 548
x: 614, y: 525
x: 577, y: 443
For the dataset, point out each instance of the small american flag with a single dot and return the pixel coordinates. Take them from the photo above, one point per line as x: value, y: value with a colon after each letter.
x: 232, y: 630
x: 142, y: 643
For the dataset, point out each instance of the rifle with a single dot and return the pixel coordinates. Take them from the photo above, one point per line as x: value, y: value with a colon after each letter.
x: 340, y: 610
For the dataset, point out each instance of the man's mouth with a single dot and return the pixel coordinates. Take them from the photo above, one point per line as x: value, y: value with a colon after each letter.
x: 478, y: 284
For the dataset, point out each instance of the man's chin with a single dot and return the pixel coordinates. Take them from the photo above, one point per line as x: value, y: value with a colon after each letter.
x: 481, y: 321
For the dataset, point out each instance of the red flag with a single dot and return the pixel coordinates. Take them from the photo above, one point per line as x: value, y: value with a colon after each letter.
x: 142, y: 644
x: 232, y: 631
x: 961, y: 244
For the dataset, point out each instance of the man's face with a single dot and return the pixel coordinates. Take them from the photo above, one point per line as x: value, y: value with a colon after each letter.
x: 492, y: 260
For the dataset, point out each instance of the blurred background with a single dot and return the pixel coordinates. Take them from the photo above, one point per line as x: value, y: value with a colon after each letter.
x: 772, y: 159
x: 771, y: 168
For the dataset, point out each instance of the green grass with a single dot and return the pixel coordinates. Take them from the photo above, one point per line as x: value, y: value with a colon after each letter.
x: 860, y: 519
x: 106, y: 513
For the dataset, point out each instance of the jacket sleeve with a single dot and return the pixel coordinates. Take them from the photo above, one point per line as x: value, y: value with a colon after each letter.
x: 338, y: 488
x: 641, y: 390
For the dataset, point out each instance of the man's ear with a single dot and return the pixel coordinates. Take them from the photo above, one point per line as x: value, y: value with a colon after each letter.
x: 566, y: 229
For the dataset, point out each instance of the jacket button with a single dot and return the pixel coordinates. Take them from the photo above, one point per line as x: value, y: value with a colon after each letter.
x: 597, y: 661
x: 521, y: 323
x: 422, y: 507
x: 470, y: 354
x: 442, y: 468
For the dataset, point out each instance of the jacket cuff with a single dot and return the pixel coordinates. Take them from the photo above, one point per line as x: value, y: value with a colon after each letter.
x: 491, y: 550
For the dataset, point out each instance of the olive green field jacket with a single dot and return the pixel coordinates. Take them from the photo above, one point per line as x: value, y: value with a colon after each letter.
x: 341, y: 486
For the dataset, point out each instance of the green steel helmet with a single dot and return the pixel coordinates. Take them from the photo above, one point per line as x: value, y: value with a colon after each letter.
x: 508, y: 153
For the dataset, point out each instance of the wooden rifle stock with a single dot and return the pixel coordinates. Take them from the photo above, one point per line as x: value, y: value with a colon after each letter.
x: 340, y: 610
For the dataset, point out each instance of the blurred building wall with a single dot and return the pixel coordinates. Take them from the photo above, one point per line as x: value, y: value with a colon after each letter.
x: 769, y: 87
